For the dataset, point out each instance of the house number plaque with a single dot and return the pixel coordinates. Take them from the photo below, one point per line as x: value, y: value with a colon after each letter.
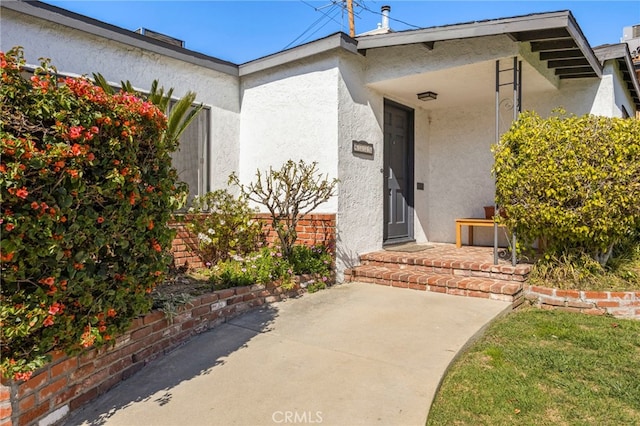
x: 362, y: 147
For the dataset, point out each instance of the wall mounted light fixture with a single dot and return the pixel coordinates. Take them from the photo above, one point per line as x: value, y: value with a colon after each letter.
x: 427, y: 96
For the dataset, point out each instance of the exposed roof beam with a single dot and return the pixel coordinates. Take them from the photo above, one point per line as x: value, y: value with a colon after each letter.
x: 544, y: 34
x: 578, y: 70
x: 561, y: 54
x: 567, y: 63
x: 547, y: 45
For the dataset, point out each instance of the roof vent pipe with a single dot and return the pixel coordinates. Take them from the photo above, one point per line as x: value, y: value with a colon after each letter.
x: 385, y: 16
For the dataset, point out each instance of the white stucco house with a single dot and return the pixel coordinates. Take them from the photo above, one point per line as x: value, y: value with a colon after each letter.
x: 405, y: 120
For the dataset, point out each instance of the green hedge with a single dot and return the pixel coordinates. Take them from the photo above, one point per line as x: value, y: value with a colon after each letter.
x: 573, y: 181
x: 86, y: 191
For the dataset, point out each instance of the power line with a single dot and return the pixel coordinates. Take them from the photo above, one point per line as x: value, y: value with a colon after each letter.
x: 316, y: 22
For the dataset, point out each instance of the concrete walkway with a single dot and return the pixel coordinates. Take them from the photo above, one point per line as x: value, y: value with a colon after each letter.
x: 357, y: 354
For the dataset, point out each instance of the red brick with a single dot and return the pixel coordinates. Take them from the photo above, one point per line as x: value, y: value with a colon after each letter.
x: 480, y: 294
x: 26, y: 403
x: 415, y: 286
x: 541, y: 290
x: 6, y: 422
x: 201, y: 310
x: 64, y: 367
x: 31, y: 415
x: 83, y: 372
x: 65, y: 396
x: 79, y: 401
x: 33, y: 383
x: 117, y: 367
x: 160, y: 325
x: 52, y: 388
x: 568, y: 293
x: 5, y: 410
x: 249, y: 296
x: 208, y: 298
x: 607, y: 303
x: 225, y: 294
x: 595, y: 295
x: 551, y: 301
x: 5, y: 393
x: 87, y: 357
x: 153, y: 317
x: 140, y: 333
x: 621, y: 295
x: 95, y: 379
x: 399, y: 284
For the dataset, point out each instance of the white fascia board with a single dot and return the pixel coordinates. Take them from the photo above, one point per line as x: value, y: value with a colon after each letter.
x: 334, y: 41
x: 468, y: 30
x: 583, y: 45
x: 111, y: 32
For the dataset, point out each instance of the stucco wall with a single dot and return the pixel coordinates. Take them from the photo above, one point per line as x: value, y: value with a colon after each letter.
x: 77, y: 52
x: 291, y: 112
x: 360, y: 211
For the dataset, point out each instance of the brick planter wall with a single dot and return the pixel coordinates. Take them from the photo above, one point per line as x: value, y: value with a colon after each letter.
x: 621, y: 304
x: 312, y: 229
x: 67, y: 383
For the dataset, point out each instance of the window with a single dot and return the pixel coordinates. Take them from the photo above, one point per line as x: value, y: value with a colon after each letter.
x: 191, y: 160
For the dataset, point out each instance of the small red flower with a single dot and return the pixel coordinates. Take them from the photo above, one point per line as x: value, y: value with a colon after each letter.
x: 9, y: 227
x: 100, y: 219
x: 76, y: 149
x: 75, y: 132
x: 35, y: 205
x: 6, y: 257
x: 55, y: 308
x: 48, y: 321
x: 111, y: 313
x: 22, y: 376
x: 22, y: 193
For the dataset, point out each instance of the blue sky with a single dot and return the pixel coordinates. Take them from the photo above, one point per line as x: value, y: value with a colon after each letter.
x: 240, y: 31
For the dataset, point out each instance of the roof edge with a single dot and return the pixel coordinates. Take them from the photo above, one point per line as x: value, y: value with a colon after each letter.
x: 102, y: 29
x: 620, y: 51
x: 333, y: 41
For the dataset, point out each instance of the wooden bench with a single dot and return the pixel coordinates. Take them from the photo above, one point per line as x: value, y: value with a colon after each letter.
x: 470, y: 223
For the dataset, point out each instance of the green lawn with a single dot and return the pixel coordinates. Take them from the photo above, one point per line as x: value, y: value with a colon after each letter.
x: 537, y: 367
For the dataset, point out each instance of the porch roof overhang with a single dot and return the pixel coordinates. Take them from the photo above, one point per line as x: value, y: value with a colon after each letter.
x: 620, y: 53
x: 555, y: 36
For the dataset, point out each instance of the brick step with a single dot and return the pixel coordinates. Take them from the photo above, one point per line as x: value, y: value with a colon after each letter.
x: 458, y: 268
x: 488, y: 288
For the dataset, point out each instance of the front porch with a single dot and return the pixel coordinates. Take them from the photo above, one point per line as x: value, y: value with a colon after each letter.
x: 443, y: 268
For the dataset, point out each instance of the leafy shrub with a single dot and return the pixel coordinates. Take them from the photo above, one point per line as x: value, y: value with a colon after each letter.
x: 310, y: 260
x: 288, y: 194
x: 86, y: 190
x: 225, y: 227
x: 257, y: 268
x: 269, y: 265
x: 571, y: 181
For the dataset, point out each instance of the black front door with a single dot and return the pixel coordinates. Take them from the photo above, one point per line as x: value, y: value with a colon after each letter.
x: 398, y: 173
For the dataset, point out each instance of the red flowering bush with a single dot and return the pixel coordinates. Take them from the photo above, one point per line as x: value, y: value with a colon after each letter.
x: 86, y: 190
